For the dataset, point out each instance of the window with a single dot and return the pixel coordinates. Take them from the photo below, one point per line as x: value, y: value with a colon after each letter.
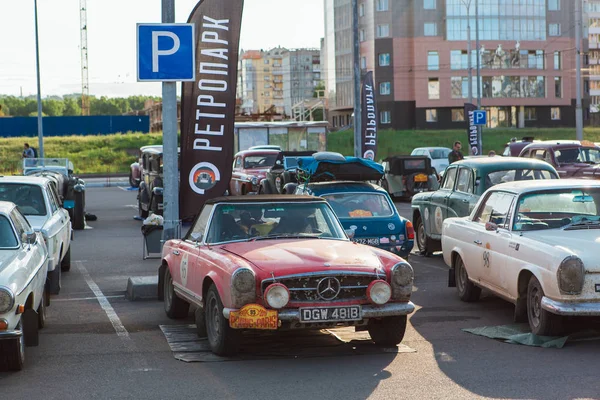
x: 383, y: 30
x: 431, y: 115
x: 496, y: 209
x: 433, y: 89
x: 557, y: 60
x: 334, y: 121
x: 361, y: 10
x: 530, y: 114
x: 465, y: 181
x: 28, y: 198
x: 430, y: 29
x: 363, y: 62
x: 557, y: 87
x: 8, y: 239
x: 449, y: 178
x: 238, y: 162
x: 385, y: 88
x: 554, y: 29
x: 384, y: 59
x: 458, y: 114
x: 555, y: 113
x: 382, y: 5
x: 350, y: 205
x: 433, y: 61
x: 197, y: 231
x: 361, y: 35
x: 54, y: 203
x: 266, y: 61
x: 385, y: 117
x: 553, y: 5
x: 429, y: 4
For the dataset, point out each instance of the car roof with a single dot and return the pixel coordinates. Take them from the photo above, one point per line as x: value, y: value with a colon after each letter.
x: 432, y: 148
x: 514, y: 162
x: 545, y: 184
x: 265, y: 198
x: 556, y: 144
x: 345, y: 186
x: 6, y: 207
x: 257, y: 151
x: 31, y: 180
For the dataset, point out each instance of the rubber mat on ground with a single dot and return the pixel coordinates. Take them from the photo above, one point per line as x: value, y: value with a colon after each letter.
x: 521, y: 334
x: 187, y: 346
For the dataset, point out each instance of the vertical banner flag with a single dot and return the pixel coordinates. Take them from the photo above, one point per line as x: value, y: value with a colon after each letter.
x: 369, y: 118
x: 208, y: 105
x: 472, y: 131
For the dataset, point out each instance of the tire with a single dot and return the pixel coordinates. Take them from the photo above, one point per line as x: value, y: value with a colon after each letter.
x: 12, y: 354
x: 41, y: 311
x: 541, y: 322
x: 421, y: 236
x: 222, y: 339
x: 199, y: 316
x: 467, y: 291
x: 78, y: 212
x: 31, y: 333
x: 142, y: 213
x: 175, y: 307
x: 65, y: 264
x: 388, y: 331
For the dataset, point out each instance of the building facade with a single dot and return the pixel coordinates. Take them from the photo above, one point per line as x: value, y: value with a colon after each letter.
x: 302, y: 73
x: 593, y: 25
x: 417, y: 50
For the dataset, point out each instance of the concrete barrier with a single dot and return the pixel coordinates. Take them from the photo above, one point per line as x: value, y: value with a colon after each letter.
x: 142, y: 288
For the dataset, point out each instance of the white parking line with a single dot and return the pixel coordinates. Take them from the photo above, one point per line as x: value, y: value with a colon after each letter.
x: 104, y: 303
x: 89, y: 298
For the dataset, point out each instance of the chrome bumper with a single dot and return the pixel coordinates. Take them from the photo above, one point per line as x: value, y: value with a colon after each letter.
x: 570, y: 308
x: 368, y: 311
x: 4, y: 335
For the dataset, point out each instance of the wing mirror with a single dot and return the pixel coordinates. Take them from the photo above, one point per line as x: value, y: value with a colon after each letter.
x: 29, y: 237
x: 350, y: 233
x: 197, y: 237
x: 490, y: 226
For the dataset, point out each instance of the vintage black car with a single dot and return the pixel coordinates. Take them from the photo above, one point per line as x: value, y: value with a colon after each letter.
x: 282, y: 173
x: 407, y: 175
x: 150, y: 191
x: 70, y: 189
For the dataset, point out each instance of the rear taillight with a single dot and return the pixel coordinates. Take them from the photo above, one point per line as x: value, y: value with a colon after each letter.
x: 410, y: 231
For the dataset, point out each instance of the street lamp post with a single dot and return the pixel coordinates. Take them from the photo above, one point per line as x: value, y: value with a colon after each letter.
x: 467, y: 4
x: 39, y: 91
x: 478, y: 47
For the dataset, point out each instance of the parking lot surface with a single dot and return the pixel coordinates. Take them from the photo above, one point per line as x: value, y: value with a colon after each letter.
x: 98, y: 345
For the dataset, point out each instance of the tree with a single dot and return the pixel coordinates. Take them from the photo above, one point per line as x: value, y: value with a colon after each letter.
x: 72, y: 107
x: 319, y: 88
x: 53, y: 108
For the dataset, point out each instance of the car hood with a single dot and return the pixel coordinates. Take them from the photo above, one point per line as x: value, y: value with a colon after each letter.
x: 257, y: 171
x: 584, y: 243
x: 581, y: 168
x: 291, y: 256
x: 7, y: 258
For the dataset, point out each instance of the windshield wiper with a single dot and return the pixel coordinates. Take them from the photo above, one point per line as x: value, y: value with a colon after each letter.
x: 286, y: 236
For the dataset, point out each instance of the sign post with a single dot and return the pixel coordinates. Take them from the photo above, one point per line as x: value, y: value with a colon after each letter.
x: 166, y: 53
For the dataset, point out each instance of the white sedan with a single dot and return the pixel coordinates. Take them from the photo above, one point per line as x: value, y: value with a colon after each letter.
x: 23, y: 269
x: 533, y: 243
x: 37, y: 199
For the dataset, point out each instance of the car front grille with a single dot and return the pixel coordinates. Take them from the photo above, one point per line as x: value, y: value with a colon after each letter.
x: 304, y: 288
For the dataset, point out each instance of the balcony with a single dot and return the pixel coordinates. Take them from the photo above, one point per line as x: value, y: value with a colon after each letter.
x: 593, y: 45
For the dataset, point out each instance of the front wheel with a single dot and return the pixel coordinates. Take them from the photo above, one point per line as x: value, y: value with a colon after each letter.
x: 422, y: 241
x: 132, y: 181
x: 467, y: 291
x: 143, y: 213
x: 30, y: 322
x: 12, y: 353
x: 175, y: 307
x: 541, y: 322
x: 223, y: 340
x: 388, y: 331
x: 41, y: 311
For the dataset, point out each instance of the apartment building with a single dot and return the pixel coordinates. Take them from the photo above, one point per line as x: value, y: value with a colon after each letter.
x: 593, y: 14
x: 417, y: 50
x: 302, y: 73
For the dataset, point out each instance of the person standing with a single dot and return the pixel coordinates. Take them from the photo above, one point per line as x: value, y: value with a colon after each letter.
x: 28, y: 151
x: 455, y: 154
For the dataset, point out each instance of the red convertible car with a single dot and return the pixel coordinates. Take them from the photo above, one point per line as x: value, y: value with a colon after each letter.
x: 279, y: 262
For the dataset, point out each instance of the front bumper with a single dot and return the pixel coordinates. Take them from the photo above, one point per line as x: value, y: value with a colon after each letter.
x: 368, y: 311
x: 565, y: 308
x: 6, y: 335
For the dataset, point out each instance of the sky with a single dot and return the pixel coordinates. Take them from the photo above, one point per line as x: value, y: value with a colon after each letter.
x: 111, y: 40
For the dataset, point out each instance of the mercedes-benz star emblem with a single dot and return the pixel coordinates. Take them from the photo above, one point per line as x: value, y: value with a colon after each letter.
x: 328, y: 288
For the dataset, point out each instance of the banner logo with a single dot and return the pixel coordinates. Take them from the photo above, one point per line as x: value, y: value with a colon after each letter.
x: 204, y: 176
x: 369, y: 118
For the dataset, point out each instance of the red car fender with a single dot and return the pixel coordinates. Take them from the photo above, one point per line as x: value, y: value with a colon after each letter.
x: 222, y: 287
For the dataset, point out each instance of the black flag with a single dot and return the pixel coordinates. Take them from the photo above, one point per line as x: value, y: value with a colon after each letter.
x: 208, y: 105
x: 472, y: 131
x: 369, y: 118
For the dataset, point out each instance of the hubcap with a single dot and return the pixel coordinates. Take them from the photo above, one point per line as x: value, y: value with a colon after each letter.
x: 214, y: 327
x: 535, y: 306
x: 462, y: 277
x: 421, y: 236
x: 169, y: 292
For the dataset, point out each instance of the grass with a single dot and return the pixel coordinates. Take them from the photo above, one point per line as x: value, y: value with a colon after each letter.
x: 112, y: 154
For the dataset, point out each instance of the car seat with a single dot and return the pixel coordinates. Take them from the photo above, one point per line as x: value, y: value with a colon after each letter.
x: 229, y: 229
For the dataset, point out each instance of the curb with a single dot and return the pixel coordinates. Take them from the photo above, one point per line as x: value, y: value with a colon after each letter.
x: 142, y: 288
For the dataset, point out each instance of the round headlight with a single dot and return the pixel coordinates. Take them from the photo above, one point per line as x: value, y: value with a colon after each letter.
x: 254, y: 180
x: 7, y: 300
x: 570, y: 275
x: 379, y: 292
x: 402, y: 274
x: 277, y: 295
x: 243, y: 280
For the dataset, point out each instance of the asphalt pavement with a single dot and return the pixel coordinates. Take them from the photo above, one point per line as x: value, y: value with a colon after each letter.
x: 98, y: 345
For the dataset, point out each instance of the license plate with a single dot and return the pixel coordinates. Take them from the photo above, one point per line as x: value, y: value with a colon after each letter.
x: 254, y: 316
x: 330, y: 314
x: 421, y: 178
x: 369, y: 241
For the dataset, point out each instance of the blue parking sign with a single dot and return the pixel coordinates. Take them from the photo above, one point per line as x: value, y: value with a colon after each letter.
x: 480, y: 117
x: 166, y: 53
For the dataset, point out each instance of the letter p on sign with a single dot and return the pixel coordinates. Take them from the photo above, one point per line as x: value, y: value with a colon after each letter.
x: 166, y: 52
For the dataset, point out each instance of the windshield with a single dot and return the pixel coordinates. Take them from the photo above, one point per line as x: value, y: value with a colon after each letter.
x: 8, y: 240
x: 565, y: 208
x: 239, y: 222
x: 439, y: 154
x: 260, y: 161
x: 497, y: 177
x: 291, y: 162
x: 589, y: 155
x: 29, y: 198
x: 359, y: 205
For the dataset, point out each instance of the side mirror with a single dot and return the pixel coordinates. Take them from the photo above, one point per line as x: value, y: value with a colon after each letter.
x: 197, y: 237
x: 490, y: 226
x: 350, y: 233
x: 29, y: 237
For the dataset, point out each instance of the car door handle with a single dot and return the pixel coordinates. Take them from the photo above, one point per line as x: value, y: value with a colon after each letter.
x: 175, y: 252
x: 477, y: 242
